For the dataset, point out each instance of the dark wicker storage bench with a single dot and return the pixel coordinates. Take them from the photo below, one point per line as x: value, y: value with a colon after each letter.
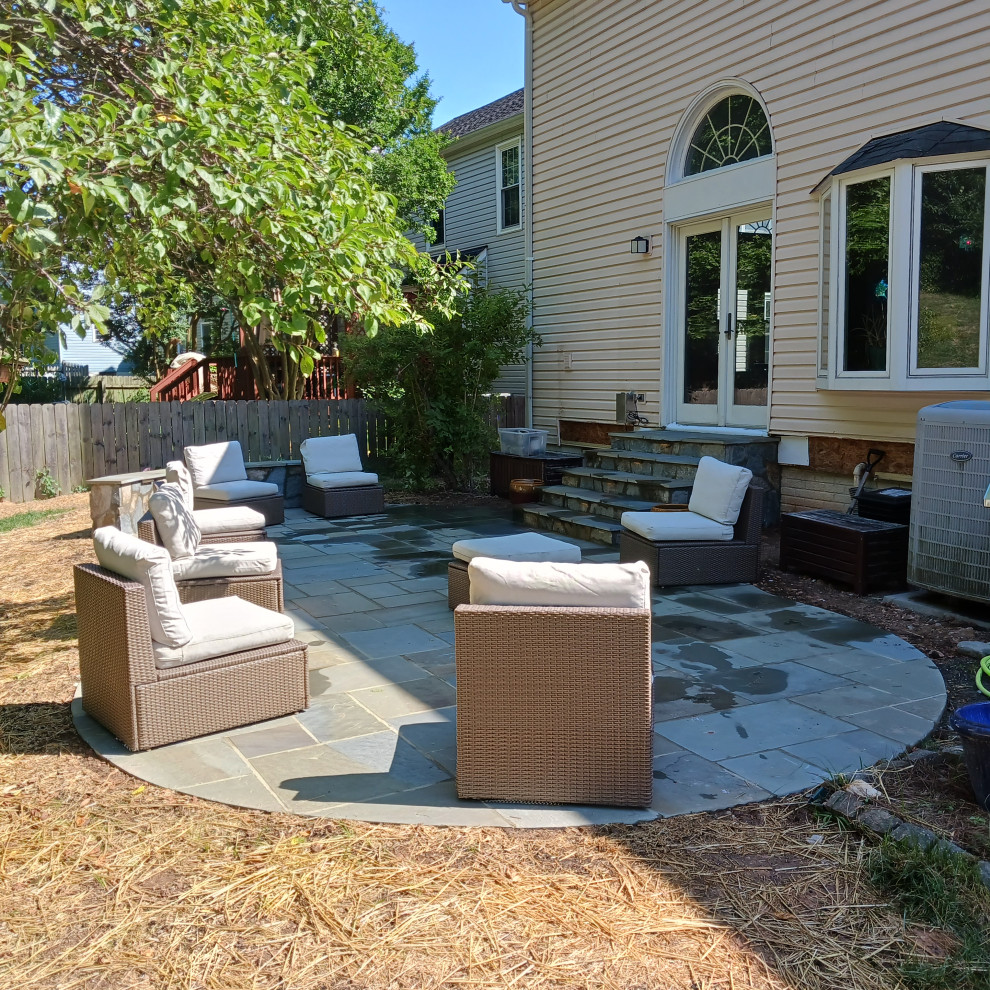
x: 331, y: 503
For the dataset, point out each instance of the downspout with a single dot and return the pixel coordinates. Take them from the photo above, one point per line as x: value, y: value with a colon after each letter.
x: 521, y: 8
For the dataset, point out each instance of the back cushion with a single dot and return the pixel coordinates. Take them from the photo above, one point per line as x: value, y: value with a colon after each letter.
x: 215, y: 463
x: 719, y: 490
x: 177, y: 527
x: 178, y: 474
x: 139, y: 561
x: 507, y: 582
x: 331, y: 454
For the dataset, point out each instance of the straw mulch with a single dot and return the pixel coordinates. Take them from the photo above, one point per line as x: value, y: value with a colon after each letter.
x: 108, y: 883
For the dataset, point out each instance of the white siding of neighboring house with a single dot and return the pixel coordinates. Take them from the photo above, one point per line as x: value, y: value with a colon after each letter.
x: 91, y: 351
x: 471, y: 219
x: 611, y: 81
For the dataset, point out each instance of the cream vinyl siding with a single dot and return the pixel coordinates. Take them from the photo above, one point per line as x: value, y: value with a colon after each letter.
x: 470, y: 219
x: 611, y: 81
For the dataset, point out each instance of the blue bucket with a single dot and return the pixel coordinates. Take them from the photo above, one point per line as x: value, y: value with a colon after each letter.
x: 972, y: 722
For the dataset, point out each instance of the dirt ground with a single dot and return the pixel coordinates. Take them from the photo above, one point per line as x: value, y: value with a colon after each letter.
x: 110, y: 884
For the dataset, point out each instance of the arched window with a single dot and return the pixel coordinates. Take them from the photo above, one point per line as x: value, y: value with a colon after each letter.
x: 734, y: 130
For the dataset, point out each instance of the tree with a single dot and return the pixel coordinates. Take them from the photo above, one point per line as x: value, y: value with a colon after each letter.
x: 433, y: 387
x: 174, y: 145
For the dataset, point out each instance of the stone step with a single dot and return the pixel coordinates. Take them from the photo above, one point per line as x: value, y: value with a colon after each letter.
x: 587, y: 502
x: 626, y: 483
x: 573, y: 524
x: 733, y: 448
x: 665, y: 466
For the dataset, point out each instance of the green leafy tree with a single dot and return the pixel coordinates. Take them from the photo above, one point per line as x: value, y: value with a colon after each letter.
x: 433, y: 387
x: 172, y: 145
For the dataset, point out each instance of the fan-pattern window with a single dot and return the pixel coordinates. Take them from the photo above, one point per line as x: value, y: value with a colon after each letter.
x: 734, y: 130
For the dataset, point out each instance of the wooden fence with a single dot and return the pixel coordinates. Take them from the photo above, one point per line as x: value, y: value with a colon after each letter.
x: 77, y: 442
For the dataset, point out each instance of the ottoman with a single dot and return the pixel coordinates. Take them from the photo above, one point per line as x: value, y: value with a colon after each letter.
x: 523, y: 547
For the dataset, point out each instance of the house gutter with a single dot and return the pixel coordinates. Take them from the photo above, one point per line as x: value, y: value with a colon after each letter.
x: 521, y: 8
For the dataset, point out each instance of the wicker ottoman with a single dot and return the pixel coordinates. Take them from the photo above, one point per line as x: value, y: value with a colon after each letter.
x: 533, y: 547
x: 332, y: 503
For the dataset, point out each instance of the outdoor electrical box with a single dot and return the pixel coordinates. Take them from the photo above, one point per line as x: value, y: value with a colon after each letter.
x: 627, y: 408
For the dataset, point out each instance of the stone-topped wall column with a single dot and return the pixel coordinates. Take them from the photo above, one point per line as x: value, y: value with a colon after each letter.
x: 121, y: 499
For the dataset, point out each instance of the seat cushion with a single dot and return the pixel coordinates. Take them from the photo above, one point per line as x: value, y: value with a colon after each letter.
x: 719, y: 490
x: 214, y: 463
x: 342, y: 479
x: 663, y: 527
x: 176, y: 473
x: 226, y: 560
x: 231, y: 519
x: 151, y: 565
x: 236, y: 491
x: 221, y: 626
x: 520, y: 546
x: 509, y: 582
x: 322, y: 455
x: 175, y: 522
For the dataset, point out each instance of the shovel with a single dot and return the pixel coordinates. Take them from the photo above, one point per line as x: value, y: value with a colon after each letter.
x: 873, y: 458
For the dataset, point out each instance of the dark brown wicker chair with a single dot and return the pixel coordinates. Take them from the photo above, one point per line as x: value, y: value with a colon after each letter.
x: 146, y: 707
x: 554, y: 705
x: 677, y: 562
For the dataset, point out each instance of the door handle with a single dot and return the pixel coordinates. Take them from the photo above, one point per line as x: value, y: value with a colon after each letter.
x: 728, y: 326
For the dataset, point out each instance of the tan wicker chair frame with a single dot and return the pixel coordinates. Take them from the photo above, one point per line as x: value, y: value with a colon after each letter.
x: 331, y: 503
x: 272, y: 507
x: 554, y: 705
x: 148, y: 531
x: 266, y: 590
x: 703, y: 561
x: 146, y: 707
x: 458, y: 583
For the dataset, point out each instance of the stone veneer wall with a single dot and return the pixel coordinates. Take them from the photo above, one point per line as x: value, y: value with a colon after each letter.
x: 806, y: 488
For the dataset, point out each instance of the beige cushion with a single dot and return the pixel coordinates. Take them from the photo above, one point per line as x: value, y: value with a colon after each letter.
x: 719, y: 490
x: 175, y: 522
x: 177, y: 473
x: 230, y: 519
x: 520, y: 546
x: 331, y: 454
x: 675, y: 526
x: 236, y: 491
x: 221, y: 626
x: 214, y: 463
x: 151, y: 565
x: 342, y: 479
x: 227, y: 560
x: 508, y: 582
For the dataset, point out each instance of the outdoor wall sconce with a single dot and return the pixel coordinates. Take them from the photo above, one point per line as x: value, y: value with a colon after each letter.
x: 640, y: 245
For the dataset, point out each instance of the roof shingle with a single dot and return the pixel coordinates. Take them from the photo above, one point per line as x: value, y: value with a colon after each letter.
x: 490, y: 113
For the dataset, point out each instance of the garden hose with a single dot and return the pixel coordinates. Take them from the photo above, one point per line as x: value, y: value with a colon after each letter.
x: 984, y: 668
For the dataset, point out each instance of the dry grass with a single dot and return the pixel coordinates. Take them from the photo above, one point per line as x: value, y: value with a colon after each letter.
x: 106, y: 883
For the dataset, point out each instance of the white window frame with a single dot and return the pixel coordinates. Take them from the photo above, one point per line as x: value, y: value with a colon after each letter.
x: 902, y: 373
x: 981, y: 369
x: 499, y: 188
x: 824, y: 288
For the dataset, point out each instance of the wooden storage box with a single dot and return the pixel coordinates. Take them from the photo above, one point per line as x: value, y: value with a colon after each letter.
x: 868, y: 554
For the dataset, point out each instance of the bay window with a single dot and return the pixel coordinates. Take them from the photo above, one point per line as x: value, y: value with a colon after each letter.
x: 904, y: 276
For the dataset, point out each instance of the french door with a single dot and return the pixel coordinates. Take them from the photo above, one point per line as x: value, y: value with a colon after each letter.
x: 722, y: 326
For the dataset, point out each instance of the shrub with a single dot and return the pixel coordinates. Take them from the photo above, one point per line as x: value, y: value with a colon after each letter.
x: 45, y: 485
x: 434, y: 387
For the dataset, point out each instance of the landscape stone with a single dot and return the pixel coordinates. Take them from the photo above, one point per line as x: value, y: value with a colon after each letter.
x: 844, y: 803
x: 973, y: 648
x: 877, y: 820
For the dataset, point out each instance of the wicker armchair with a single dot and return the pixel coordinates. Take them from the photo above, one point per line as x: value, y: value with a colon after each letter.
x: 220, y: 479
x: 145, y: 706
x: 703, y: 561
x: 554, y: 702
x: 336, y: 483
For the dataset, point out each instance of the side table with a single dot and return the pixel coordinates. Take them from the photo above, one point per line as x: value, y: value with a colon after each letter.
x: 547, y: 467
x: 869, y: 554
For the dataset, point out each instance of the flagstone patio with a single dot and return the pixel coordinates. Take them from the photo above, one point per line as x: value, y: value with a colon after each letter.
x: 754, y: 695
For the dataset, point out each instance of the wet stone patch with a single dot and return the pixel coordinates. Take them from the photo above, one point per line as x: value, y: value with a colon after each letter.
x: 753, y: 695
